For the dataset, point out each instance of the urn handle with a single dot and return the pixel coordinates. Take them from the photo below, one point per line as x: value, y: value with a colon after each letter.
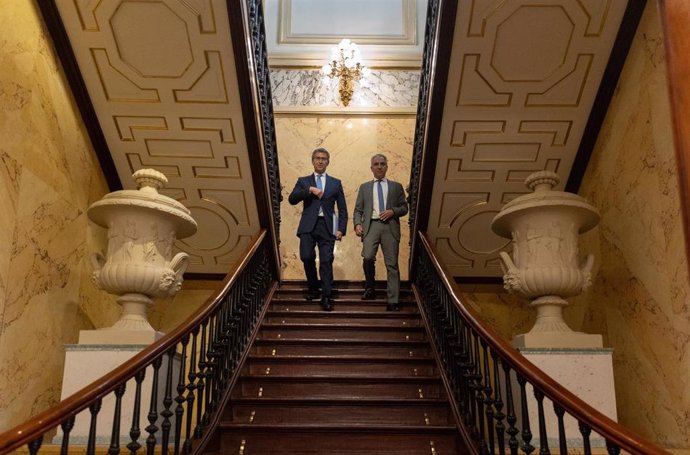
x: 511, y: 274
x: 171, y: 280
x: 587, y: 271
x: 97, y: 263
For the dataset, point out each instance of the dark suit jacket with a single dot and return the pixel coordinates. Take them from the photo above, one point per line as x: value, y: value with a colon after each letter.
x: 365, y: 205
x: 333, y: 195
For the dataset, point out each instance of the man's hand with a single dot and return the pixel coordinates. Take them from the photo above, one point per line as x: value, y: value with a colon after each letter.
x: 386, y: 215
x: 316, y: 192
x: 338, y: 235
x: 359, y: 230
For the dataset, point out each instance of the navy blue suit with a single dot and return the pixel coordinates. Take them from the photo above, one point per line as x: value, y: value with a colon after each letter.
x: 318, y: 230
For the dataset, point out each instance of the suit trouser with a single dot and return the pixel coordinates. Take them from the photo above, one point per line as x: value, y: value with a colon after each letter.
x: 321, y: 237
x: 380, y: 233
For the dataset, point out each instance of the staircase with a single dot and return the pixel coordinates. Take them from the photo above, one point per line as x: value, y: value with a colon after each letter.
x: 357, y: 380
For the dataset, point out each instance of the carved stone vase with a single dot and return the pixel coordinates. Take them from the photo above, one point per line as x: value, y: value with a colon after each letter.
x: 139, y: 265
x: 544, y: 226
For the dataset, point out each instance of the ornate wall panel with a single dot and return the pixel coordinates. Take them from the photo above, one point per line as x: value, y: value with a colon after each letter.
x: 523, y: 79
x: 161, y: 77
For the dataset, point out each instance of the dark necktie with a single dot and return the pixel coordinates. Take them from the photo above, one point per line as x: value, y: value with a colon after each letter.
x: 382, y: 204
x: 319, y: 185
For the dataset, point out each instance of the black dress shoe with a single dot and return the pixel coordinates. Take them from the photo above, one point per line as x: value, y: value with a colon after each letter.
x: 327, y: 304
x: 313, y: 295
x: 369, y: 294
x: 393, y: 307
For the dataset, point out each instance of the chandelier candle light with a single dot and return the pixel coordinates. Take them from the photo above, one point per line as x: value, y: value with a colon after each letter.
x: 345, y: 64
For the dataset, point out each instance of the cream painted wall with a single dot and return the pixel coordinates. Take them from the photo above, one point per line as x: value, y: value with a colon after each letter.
x: 49, y: 175
x: 351, y: 141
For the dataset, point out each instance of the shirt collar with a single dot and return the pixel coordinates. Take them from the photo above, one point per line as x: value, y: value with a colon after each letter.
x: 383, y: 180
x: 316, y: 174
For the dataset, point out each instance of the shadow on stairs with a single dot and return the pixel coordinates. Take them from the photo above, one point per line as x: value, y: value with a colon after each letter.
x: 357, y: 380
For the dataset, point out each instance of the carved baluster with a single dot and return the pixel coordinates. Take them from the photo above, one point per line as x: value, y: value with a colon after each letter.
x: 180, y: 399
x: 488, y: 400
x: 94, y: 409
x: 612, y: 448
x: 191, y: 386
x: 114, y: 448
x: 166, y: 413
x: 543, y: 439
x: 498, y: 405
x: 479, y: 396
x: 562, y: 441
x: 510, y: 418
x: 152, y: 416
x: 526, y: 430
x: 586, y: 431
x: 35, y: 445
x: 135, y: 431
x: 201, y: 385
x: 212, y: 371
x: 66, y: 427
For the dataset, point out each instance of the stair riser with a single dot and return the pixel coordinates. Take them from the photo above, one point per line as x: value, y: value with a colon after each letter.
x: 334, y: 319
x: 335, y: 351
x: 313, y: 443
x: 335, y: 390
x: 328, y: 333
x: 335, y: 368
x: 341, y: 306
x: 383, y: 414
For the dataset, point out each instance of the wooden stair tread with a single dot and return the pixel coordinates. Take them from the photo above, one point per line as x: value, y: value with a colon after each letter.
x: 350, y: 314
x: 361, y: 343
x: 375, y: 379
x: 271, y: 325
x: 367, y: 401
x: 357, y: 380
x: 351, y: 427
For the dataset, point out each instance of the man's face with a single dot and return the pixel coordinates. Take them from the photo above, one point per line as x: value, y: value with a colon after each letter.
x: 320, y: 162
x: 379, y: 167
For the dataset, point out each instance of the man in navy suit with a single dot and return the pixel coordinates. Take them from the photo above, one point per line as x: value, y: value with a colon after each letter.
x: 319, y: 224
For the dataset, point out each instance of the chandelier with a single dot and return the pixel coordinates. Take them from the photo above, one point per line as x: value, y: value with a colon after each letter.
x: 345, y: 63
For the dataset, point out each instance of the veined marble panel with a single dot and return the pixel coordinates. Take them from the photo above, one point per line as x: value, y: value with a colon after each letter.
x: 641, y: 293
x: 49, y: 176
x: 309, y: 87
x: 351, y: 142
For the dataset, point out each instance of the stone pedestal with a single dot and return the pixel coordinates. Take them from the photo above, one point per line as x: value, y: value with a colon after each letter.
x: 84, y: 363
x: 587, y: 373
x: 562, y: 340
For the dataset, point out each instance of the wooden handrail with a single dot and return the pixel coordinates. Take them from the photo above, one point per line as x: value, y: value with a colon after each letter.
x: 80, y: 400
x: 608, y: 428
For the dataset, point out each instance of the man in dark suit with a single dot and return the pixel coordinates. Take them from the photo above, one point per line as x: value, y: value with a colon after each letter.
x: 380, y: 204
x: 319, y: 224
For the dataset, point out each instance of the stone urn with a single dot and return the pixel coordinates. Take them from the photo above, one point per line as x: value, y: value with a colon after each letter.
x: 139, y: 265
x: 544, y: 226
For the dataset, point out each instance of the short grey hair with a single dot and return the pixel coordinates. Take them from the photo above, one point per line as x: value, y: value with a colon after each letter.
x: 380, y: 155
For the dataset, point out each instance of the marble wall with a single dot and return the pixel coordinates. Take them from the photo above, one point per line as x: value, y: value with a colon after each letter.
x: 309, y: 87
x: 351, y: 141
x: 641, y: 297
x: 49, y: 175
x: 352, y: 138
